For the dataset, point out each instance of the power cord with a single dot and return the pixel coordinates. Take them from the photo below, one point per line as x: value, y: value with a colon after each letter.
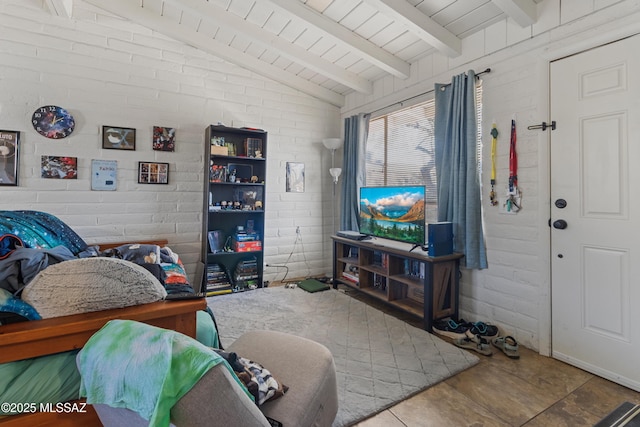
x: 295, y: 244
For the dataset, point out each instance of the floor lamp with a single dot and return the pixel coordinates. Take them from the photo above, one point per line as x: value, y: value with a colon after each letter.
x: 333, y: 144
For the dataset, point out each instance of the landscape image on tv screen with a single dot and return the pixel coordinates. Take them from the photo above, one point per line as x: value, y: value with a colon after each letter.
x: 396, y: 213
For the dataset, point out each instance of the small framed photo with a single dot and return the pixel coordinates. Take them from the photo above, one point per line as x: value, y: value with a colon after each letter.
x: 59, y: 167
x: 153, y: 173
x: 164, y: 139
x: 9, y: 143
x: 117, y: 138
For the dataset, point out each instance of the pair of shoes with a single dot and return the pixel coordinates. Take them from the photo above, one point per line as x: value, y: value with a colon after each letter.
x: 508, y: 345
x: 475, y: 343
x: 450, y: 328
x: 485, y: 330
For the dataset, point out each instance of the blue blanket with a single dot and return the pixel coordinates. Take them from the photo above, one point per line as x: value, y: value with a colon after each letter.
x: 128, y: 364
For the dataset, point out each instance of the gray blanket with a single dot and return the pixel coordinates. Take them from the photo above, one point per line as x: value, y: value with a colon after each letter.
x: 19, y: 268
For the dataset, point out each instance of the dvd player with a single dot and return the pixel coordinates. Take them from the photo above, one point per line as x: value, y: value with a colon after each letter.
x: 353, y: 235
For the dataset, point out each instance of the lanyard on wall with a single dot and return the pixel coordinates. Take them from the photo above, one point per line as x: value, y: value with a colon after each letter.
x: 513, y: 161
x: 494, y: 142
x: 514, y: 198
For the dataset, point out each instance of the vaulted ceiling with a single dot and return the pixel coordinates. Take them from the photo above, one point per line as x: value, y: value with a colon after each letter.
x: 325, y: 48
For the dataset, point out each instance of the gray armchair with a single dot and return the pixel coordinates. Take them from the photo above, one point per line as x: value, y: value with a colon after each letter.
x: 217, y: 400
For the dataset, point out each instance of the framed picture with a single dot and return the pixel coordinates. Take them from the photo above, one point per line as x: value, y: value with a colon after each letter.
x: 104, y: 175
x: 239, y: 172
x: 295, y: 177
x: 59, y: 167
x: 117, y: 138
x: 153, y: 173
x: 9, y: 143
x: 164, y: 139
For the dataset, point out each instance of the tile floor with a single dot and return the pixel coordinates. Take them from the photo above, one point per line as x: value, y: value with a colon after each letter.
x: 531, y: 391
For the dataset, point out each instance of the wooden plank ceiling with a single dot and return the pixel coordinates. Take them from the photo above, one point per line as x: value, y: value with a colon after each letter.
x: 325, y: 48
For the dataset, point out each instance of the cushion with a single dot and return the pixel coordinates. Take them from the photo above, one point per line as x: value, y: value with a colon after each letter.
x: 91, y: 284
x: 140, y: 253
x: 256, y: 378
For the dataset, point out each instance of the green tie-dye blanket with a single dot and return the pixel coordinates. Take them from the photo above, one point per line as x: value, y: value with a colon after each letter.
x: 129, y: 364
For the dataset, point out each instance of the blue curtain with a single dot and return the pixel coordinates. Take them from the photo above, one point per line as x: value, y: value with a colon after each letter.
x: 457, y: 168
x: 356, y: 129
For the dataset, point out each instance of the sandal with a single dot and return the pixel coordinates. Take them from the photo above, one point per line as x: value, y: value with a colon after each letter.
x: 508, y: 345
x: 475, y: 343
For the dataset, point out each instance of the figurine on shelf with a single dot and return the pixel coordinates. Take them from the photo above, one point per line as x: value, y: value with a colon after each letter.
x: 232, y: 176
x: 258, y: 154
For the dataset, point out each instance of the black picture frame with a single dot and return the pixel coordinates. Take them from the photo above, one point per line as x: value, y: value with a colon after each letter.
x: 9, y: 157
x: 118, y: 138
x: 153, y: 173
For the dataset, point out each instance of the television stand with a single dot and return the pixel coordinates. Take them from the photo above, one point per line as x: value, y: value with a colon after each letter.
x: 416, y: 283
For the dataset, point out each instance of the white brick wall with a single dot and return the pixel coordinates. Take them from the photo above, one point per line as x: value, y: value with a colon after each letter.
x: 107, y: 71
x: 514, y: 291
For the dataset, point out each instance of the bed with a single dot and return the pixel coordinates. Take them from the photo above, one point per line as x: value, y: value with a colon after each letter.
x: 25, y: 340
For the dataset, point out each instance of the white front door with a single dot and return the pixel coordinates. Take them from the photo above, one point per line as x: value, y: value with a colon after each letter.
x: 595, y: 211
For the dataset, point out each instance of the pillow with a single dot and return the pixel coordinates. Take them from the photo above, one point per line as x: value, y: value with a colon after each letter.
x: 140, y: 253
x: 91, y: 284
x: 256, y: 378
x: 11, y: 304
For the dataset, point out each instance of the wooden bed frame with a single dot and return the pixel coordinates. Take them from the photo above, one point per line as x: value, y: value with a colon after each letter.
x: 49, y: 336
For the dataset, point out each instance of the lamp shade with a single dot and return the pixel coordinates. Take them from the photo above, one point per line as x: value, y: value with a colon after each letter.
x: 335, y: 173
x: 332, y: 143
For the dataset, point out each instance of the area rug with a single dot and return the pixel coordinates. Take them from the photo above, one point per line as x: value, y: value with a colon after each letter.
x: 380, y: 360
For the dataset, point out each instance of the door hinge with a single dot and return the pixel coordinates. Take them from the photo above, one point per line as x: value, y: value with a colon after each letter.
x: 543, y: 126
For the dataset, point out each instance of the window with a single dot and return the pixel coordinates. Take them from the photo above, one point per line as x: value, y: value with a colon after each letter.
x: 400, y: 149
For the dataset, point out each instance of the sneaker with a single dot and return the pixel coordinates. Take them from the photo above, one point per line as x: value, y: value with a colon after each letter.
x: 483, y: 329
x: 450, y: 328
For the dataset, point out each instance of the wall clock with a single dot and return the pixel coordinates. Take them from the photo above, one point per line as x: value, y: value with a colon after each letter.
x: 53, y: 122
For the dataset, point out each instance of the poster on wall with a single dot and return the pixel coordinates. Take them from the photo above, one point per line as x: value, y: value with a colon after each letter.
x: 9, y: 140
x: 59, y: 167
x: 295, y: 177
x: 164, y: 139
x: 104, y: 175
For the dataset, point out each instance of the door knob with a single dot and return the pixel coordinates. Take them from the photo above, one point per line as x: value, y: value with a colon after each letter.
x: 560, y: 224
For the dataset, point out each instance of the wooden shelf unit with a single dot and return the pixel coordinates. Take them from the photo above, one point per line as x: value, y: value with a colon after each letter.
x: 238, y: 147
x: 424, y: 286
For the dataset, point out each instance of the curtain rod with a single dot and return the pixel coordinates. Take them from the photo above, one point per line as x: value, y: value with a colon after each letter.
x: 488, y: 70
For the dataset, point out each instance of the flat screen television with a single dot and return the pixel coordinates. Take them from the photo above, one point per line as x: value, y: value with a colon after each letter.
x: 396, y: 213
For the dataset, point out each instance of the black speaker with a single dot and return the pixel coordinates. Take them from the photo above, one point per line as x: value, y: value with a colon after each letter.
x: 440, y: 238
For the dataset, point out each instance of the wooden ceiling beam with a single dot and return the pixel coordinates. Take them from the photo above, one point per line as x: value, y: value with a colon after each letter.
x: 420, y: 24
x: 60, y: 7
x: 162, y: 25
x: 524, y: 12
x: 344, y: 36
x: 230, y: 21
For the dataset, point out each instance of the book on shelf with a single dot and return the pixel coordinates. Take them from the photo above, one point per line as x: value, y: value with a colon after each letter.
x: 379, y: 282
x: 220, y: 292
x: 253, y: 147
x: 351, y: 277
